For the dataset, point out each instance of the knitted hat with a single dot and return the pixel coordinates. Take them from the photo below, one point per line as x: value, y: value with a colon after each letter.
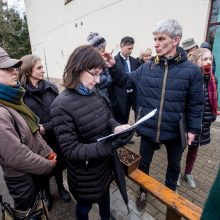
x: 188, y: 44
x: 206, y: 45
x: 96, y: 40
x: 6, y: 61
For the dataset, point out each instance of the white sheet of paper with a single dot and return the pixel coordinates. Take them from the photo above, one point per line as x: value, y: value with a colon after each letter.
x: 146, y: 117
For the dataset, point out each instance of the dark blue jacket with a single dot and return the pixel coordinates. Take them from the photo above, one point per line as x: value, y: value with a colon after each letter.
x: 105, y: 83
x: 183, y: 93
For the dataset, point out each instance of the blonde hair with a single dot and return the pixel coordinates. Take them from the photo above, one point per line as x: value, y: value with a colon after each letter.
x: 147, y: 51
x: 28, y: 62
x: 196, y: 54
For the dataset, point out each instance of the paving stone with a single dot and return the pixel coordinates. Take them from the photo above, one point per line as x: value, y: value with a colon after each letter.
x: 147, y: 216
x: 160, y: 216
x: 160, y: 206
x: 152, y: 210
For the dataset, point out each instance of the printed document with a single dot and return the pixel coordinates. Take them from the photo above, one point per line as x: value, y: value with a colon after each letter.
x: 146, y: 117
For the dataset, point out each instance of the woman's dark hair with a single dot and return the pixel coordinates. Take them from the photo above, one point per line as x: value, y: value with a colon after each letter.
x: 85, y: 57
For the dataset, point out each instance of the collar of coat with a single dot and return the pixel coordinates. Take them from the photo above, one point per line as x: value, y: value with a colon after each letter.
x: 178, y: 58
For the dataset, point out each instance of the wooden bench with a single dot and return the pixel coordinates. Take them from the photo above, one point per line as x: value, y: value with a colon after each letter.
x: 177, y: 206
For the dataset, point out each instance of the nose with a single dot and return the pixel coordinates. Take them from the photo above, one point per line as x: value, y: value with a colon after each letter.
x: 15, y: 71
x: 209, y: 61
x: 97, y: 79
x: 156, y: 44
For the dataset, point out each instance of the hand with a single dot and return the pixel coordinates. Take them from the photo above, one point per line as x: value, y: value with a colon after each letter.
x: 54, y: 161
x: 121, y: 128
x: 123, y: 139
x: 42, y: 130
x: 190, y: 138
x: 51, y: 155
x: 109, y: 59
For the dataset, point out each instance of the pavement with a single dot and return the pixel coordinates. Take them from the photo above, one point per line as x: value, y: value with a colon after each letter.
x: 205, y: 170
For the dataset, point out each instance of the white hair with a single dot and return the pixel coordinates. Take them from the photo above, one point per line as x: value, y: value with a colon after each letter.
x: 170, y: 27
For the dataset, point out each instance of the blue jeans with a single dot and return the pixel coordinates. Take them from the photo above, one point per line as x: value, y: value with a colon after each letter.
x: 83, y: 208
x: 174, y: 155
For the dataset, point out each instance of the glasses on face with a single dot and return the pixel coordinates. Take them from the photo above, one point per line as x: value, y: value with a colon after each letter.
x: 95, y: 76
x: 9, y: 69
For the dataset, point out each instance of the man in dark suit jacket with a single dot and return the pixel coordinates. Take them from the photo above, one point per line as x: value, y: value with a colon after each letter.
x: 123, y: 99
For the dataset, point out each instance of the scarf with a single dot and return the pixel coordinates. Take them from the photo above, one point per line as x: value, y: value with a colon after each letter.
x: 81, y: 89
x: 12, y: 97
x: 207, y: 70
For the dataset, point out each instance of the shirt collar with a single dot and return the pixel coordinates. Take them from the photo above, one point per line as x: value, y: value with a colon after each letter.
x: 124, y: 57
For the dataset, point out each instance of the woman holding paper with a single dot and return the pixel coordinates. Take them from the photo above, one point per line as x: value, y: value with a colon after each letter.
x: 80, y: 116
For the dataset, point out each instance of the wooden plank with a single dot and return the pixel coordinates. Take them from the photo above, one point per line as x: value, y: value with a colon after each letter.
x: 172, y: 200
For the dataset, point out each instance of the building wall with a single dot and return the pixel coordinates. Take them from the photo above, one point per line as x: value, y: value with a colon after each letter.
x: 56, y: 29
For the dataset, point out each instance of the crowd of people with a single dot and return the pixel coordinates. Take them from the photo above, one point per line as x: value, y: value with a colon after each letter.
x: 44, y: 132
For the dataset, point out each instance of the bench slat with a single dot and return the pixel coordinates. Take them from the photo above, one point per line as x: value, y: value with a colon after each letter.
x: 172, y: 200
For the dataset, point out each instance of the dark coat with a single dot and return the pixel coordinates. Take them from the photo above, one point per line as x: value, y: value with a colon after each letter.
x: 39, y: 101
x: 211, y: 209
x: 140, y: 60
x: 105, y: 83
x: 183, y: 93
x: 121, y: 100
x: 208, y: 118
x: 78, y: 121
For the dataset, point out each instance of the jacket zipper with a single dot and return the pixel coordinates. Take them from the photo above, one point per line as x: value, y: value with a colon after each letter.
x: 162, y: 102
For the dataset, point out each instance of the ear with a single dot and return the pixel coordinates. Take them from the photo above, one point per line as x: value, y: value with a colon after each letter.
x: 176, y: 40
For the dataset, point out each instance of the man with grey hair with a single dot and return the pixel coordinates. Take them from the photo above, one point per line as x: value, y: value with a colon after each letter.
x: 174, y: 86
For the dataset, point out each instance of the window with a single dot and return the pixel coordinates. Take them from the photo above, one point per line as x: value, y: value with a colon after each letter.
x: 214, y: 22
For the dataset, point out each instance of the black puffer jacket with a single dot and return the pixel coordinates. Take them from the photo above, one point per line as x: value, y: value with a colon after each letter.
x: 183, y: 93
x: 78, y: 121
x: 39, y: 100
x: 208, y: 118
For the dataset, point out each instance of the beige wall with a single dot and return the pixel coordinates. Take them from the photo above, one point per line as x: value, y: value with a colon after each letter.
x: 56, y: 29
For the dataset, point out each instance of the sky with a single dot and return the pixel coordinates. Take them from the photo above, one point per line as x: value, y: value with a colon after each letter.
x: 17, y: 4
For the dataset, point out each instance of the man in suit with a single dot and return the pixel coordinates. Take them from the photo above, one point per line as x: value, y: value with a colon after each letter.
x: 122, y: 99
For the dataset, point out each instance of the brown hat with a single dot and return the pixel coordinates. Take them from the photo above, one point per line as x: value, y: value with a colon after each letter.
x: 6, y: 61
x: 188, y: 44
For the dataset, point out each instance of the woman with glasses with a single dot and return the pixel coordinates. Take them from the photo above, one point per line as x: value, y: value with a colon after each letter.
x: 23, y: 153
x: 80, y: 117
x: 39, y: 95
